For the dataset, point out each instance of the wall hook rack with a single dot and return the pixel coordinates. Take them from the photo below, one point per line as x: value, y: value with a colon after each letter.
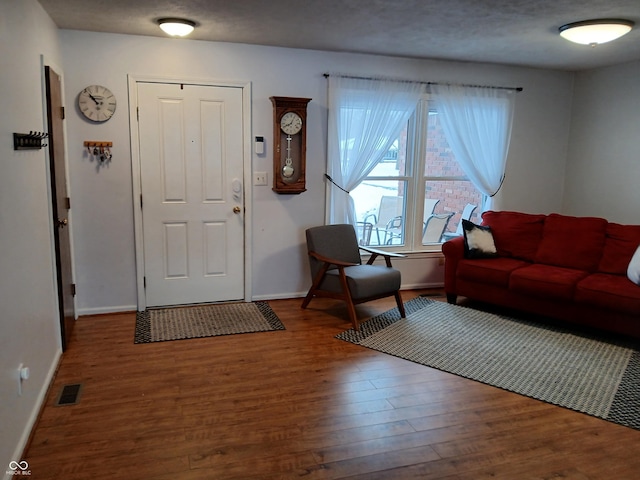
x: 91, y: 143
x: 100, y: 150
x: 29, y: 141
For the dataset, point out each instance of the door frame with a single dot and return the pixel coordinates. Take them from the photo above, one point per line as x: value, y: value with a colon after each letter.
x: 45, y: 61
x: 133, y: 81
x: 60, y: 201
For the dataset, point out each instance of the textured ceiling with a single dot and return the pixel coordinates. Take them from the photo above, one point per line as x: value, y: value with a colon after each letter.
x: 512, y: 32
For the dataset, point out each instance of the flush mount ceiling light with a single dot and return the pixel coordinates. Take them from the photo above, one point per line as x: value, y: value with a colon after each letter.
x: 594, y: 32
x: 176, y: 27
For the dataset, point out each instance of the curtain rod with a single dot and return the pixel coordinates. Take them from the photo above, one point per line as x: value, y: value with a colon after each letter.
x: 517, y: 89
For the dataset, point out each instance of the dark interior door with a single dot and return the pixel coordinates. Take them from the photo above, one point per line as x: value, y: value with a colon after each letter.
x: 61, y: 205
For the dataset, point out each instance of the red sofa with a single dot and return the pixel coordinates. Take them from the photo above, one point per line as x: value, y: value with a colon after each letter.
x: 568, y: 268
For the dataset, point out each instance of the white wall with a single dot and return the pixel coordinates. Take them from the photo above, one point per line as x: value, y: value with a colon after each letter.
x: 603, y: 169
x: 534, y: 177
x: 29, y: 325
x: 103, y: 219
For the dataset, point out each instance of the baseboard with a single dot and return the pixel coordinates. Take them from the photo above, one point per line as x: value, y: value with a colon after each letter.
x: 279, y: 296
x: 420, y: 286
x: 254, y: 298
x: 102, y: 310
x: 35, y: 414
x: 285, y: 296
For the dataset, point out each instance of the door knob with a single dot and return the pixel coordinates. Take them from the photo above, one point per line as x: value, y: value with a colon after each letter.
x: 236, y: 209
x: 63, y: 223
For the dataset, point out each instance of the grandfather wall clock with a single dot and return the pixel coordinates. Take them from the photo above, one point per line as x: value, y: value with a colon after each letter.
x: 289, y: 144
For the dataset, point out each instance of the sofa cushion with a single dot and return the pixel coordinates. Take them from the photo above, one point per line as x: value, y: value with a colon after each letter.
x: 516, y: 234
x: 495, y: 271
x: 613, y: 292
x: 478, y: 241
x: 546, y: 281
x: 572, y: 242
x: 620, y: 243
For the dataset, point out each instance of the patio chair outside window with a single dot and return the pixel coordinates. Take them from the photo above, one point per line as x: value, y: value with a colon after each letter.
x: 434, y: 227
x: 430, y: 206
x: 390, y: 208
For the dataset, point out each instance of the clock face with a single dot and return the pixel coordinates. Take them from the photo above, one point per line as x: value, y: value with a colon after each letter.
x: 291, y: 123
x: 97, y: 103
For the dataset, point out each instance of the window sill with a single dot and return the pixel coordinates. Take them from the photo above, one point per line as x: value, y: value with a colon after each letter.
x: 413, y: 254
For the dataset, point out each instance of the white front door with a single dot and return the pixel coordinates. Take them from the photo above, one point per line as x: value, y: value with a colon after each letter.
x: 191, y: 179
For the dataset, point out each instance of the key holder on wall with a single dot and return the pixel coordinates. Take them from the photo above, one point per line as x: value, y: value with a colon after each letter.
x: 100, y: 151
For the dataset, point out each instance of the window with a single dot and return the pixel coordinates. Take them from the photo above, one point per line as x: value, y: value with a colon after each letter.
x: 414, y: 197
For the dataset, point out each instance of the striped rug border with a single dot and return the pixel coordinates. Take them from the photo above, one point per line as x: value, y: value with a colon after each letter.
x: 143, y: 327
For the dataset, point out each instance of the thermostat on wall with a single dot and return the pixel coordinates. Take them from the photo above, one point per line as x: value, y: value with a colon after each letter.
x: 259, y: 145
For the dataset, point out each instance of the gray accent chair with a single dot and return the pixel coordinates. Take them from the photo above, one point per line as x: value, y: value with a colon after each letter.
x: 337, y: 270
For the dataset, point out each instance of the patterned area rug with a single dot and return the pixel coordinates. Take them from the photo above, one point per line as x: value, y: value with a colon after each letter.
x: 557, y: 366
x: 162, y: 324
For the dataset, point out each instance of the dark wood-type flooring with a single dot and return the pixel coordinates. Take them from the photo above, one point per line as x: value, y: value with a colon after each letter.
x: 301, y: 404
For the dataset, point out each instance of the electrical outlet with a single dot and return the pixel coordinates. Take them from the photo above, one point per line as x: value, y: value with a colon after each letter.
x: 260, y: 178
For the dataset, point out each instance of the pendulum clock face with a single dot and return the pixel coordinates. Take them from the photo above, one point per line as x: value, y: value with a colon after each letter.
x: 290, y: 124
x: 289, y: 144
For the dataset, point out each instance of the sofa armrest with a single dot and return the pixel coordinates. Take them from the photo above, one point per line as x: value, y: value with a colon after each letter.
x: 453, y: 251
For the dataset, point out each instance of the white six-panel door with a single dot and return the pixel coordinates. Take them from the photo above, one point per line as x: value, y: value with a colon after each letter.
x: 191, y: 180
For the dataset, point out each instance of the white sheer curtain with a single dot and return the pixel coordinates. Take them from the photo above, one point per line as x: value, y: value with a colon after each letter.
x: 477, y: 123
x: 365, y: 117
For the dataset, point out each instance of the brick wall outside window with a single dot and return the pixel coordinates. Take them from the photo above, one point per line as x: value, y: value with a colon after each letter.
x: 440, y: 162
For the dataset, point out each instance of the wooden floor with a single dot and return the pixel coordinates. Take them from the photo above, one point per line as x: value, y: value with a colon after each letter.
x: 301, y: 404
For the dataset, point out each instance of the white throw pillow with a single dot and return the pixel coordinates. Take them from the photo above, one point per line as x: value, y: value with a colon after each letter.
x: 633, y: 272
x: 478, y: 241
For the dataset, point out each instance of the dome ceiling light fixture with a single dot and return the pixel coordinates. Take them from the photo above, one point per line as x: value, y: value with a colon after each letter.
x: 595, y: 32
x: 176, y: 27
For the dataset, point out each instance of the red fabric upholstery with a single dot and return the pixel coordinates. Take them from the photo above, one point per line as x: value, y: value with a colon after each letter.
x: 454, y: 251
x: 572, y: 242
x: 495, y: 271
x: 515, y: 234
x: 619, y: 246
x: 613, y: 292
x: 546, y: 281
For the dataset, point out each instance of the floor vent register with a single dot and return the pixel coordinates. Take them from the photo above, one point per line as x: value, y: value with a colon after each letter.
x: 69, y: 395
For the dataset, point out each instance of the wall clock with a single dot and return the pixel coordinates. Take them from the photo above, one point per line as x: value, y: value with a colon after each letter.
x: 97, y: 103
x: 289, y: 144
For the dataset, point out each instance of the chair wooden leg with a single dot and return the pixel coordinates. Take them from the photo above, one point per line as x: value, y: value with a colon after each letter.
x: 400, y: 305
x: 316, y: 283
x: 351, y: 308
x: 307, y: 299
